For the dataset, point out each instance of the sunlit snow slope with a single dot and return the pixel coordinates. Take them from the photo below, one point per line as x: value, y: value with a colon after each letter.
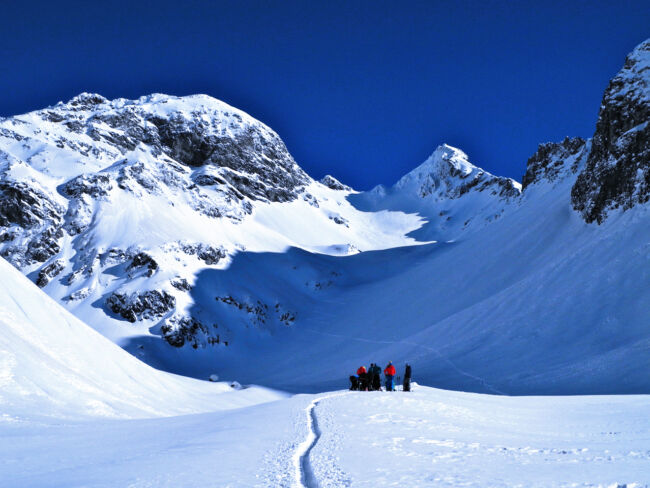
x: 51, y: 364
x: 426, y: 438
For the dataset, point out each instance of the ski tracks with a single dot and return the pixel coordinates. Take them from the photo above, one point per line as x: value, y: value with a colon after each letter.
x: 305, y: 469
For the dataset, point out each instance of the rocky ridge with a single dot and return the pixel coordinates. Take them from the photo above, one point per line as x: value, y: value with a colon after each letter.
x: 617, y: 172
x: 555, y: 161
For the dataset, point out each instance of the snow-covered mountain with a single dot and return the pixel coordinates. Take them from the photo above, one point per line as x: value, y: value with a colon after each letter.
x: 188, y: 220
x: 114, y: 206
x: 449, y: 191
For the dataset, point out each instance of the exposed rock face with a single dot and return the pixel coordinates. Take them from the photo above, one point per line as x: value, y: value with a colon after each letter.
x: 331, y: 182
x: 178, y: 331
x: 30, y: 224
x: 254, y: 161
x: 260, y: 314
x: 143, y: 260
x: 210, y: 255
x: 50, y: 271
x: 553, y: 160
x: 141, y: 305
x: 617, y: 173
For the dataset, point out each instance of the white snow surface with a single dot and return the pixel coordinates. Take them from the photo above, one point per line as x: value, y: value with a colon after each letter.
x: 425, y: 438
x: 53, y: 365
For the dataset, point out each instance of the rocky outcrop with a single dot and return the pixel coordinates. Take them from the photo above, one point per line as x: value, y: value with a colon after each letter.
x: 260, y: 314
x: 553, y: 160
x: 178, y: 331
x: 143, y: 260
x: 50, y: 271
x: 210, y: 255
x: 331, y: 182
x: 141, y: 305
x: 617, y: 172
x: 94, y: 185
x: 30, y: 224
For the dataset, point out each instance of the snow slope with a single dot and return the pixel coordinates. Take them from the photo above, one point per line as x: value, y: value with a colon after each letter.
x: 449, y: 191
x: 51, y: 364
x: 537, y: 302
x: 366, y: 439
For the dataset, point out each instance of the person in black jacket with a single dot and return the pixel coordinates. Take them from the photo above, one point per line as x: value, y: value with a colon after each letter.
x: 376, y: 377
x: 407, y: 378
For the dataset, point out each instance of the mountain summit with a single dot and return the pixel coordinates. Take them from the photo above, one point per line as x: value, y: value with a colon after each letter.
x: 448, y: 174
x: 453, y: 195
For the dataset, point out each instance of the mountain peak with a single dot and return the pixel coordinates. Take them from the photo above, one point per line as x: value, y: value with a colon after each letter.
x: 448, y: 173
x: 448, y: 158
x: 86, y: 98
x: 617, y: 174
x: 331, y: 182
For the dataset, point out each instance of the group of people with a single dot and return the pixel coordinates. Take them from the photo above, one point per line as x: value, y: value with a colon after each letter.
x: 370, y: 379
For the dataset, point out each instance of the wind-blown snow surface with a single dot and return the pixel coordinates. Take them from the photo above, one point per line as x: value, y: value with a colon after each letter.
x: 53, y: 365
x: 367, y: 439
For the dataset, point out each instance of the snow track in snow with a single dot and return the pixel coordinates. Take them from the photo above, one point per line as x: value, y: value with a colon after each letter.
x: 305, y: 477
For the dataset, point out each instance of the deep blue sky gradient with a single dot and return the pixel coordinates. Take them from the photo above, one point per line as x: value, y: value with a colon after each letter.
x: 364, y: 90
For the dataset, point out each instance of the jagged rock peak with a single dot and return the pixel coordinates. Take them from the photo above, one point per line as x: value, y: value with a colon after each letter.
x: 552, y: 160
x: 448, y: 173
x: 617, y: 172
x: 331, y: 182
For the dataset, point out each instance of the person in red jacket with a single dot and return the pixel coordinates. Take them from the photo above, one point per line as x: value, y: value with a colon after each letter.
x: 389, y: 372
x: 363, y: 378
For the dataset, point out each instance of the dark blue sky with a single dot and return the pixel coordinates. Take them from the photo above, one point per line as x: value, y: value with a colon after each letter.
x: 362, y: 90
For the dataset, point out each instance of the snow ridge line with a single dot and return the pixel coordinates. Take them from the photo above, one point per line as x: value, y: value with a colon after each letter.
x: 304, y: 473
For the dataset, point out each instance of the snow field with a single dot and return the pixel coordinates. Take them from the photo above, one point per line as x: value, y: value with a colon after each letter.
x: 439, y: 438
x: 426, y: 438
